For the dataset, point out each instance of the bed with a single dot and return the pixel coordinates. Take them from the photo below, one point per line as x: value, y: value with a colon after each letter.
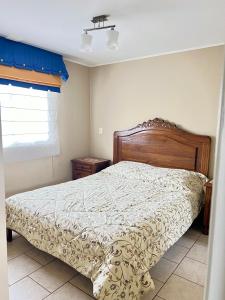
x: 115, y: 225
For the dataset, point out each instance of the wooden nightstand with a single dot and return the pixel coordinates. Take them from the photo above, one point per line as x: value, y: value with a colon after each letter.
x: 208, y: 196
x: 87, y: 166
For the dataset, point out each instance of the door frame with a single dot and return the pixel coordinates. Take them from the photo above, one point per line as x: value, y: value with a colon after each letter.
x: 215, y: 288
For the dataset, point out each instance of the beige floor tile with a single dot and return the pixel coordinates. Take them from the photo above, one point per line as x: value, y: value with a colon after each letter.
x: 40, y: 256
x: 157, y: 298
x: 152, y: 294
x: 68, y: 292
x: 27, y: 289
x: 189, y: 238
x: 176, y: 253
x: 178, y: 288
x: 203, y: 240
x: 199, y: 252
x: 192, y: 270
x: 83, y: 283
x: 163, y: 269
x: 53, y: 275
x: 20, y: 267
x: 17, y: 247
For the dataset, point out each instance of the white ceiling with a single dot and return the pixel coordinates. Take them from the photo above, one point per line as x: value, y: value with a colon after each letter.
x: 147, y: 27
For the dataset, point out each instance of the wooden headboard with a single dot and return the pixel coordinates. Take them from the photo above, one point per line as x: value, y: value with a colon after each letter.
x: 163, y: 144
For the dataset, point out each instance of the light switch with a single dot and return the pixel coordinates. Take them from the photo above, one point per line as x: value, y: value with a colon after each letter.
x: 100, y: 131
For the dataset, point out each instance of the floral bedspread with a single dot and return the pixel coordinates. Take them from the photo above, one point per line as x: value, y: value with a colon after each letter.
x: 112, y: 226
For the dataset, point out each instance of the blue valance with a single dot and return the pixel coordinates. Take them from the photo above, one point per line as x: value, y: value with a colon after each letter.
x: 23, y: 56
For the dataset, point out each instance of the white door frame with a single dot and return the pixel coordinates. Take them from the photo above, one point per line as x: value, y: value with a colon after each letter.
x: 3, y: 244
x: 215, y: 289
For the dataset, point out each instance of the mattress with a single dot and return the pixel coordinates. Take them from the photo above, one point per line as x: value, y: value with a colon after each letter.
x: 112, y: 226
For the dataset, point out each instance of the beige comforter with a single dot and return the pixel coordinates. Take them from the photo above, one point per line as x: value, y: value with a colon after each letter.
x: 112, y: 226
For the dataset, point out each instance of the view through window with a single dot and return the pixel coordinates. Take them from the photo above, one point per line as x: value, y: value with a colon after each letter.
x: 29, y: 119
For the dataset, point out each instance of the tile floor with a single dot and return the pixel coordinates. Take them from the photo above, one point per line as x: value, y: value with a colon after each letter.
x: 34, y: 275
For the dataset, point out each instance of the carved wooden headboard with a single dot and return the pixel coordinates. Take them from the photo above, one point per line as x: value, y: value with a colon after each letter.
x: 161, y: 143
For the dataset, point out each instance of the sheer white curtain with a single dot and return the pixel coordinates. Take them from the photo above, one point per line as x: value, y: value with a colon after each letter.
x: 29, y: 123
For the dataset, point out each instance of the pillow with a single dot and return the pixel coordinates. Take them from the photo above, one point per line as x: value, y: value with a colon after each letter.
x: 172, y: 179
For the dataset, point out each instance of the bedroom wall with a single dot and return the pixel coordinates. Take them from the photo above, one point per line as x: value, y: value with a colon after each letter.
x: 183, y: 88
x: 73, y: 134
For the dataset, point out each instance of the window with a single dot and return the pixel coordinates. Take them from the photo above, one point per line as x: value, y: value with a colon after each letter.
x: 29, y: 123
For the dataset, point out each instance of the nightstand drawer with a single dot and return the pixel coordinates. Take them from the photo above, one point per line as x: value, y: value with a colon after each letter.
x: 85, y: 166
x: 79, y: 174
x: 82, y: 167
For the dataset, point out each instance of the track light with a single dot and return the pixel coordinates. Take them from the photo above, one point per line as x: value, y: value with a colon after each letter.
x: 99, y: 24
x: 112, y: 39
x: 86, y: 42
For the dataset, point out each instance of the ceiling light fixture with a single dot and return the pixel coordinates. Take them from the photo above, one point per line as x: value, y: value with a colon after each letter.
x: 86, y: 42
x: 99, y: 24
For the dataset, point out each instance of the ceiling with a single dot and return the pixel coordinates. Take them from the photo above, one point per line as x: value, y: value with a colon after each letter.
x: 147, y: 27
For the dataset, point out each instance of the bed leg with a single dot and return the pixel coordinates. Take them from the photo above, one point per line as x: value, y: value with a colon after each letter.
x: 9, y: 235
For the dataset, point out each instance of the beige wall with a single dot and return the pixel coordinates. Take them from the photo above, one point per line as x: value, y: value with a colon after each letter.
x: 73, y: 133
x: 183, y: 88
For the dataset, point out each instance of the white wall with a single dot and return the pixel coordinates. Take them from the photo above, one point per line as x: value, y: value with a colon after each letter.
x: 73, y: 133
